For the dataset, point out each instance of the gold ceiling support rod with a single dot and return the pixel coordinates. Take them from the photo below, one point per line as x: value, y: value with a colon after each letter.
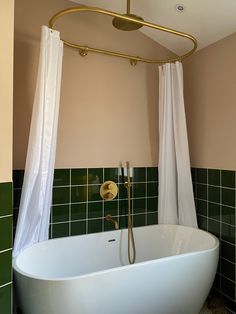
x: 128, y: 7
x: 83, y: 50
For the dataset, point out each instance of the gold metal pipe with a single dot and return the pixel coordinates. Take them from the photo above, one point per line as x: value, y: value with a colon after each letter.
x: 128, y: 7
x: 127, y: 18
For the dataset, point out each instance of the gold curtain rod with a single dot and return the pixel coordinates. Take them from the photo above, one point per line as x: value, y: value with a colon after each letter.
x: 83, y: 50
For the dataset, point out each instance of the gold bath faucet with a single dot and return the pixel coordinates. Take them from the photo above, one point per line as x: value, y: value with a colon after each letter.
x: 111, y: 219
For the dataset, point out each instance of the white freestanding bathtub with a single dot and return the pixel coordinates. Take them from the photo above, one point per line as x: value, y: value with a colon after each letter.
x: 174, y: 271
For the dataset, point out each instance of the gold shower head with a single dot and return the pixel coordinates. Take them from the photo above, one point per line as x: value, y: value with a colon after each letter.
x: 127, y: 25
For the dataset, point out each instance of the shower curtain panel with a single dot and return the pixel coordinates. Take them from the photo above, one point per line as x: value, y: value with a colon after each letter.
x: 35, y: 205
x: 176, y: 200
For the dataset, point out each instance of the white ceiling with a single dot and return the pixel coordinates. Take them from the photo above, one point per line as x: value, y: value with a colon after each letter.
x: 207, y: 20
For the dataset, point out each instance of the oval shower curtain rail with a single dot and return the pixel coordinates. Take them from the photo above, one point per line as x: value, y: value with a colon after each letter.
x: 133, y: 59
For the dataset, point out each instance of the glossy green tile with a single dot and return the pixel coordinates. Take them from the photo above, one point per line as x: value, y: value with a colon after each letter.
x: 201, y: 175
x: 123, y: 222
x: 18, y: 177
x: 228, y: 197
x: 61, y: 195
x: 201, y: 207
x: 78, y: 227
x: 5, y: 299
x: 123, y: 207
x: 228, y: 233
x: 111, y: 174
x: 94, y: 193
x: 16, y: 197
x: 219, y: 266
x: 228, y: 287
x: 122, y: 194
x: 228, y: 215
x: 213, y: 194
x: 60, y: 213
x: 201, y: 191
x: 152, y: 218
x: 228, y: 251
x: 61, y: 177
x: 152, y: 189
x: 95, y: 225
x: 139, y: 220
x: 50, y: 231
x: 152, y: 204
x: 15, y: 217
x: 5, y: 233
x: 6, y: 265
x: 108, y: 225
x: 230, y: 304
x: 202, y: 222
x: 5, y: 199
x: 79, y: 194
x: 60, y: 230
x: 139, y: 205
x: 228, y: 269
x: 139, y: 190
x: 139, y: 174
x: 214, y: 177
x: 78, y: 211
x: 152, y: 174
x: 95, y: 209
x: 194, y: 189
x: 216, y: 283
x: 79, y: 176
x: 95, y: 176
x: 214, y: 227
x: 111, y: 207
x: 193, y: 174
x: 214, y: 211
x: 228, y: 178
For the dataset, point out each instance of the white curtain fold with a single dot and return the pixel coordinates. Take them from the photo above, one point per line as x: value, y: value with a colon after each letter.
x: 176, y: 200
x: 36, y: 197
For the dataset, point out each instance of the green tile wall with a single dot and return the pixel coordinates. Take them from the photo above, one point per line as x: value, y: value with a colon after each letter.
x: 77, y: 207
x: 214, y: 191
x: 6, y: 248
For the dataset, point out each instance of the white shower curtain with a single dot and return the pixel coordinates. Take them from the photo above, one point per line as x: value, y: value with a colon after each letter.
x: 35, y: 205
x: 176, y: 200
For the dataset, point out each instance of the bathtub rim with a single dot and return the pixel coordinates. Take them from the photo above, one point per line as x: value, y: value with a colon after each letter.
x: 117, y: 268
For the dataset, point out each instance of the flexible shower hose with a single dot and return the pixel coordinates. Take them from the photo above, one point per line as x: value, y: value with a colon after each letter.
x: 131, y: 241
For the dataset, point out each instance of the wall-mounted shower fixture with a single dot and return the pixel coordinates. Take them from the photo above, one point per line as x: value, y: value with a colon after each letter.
x: 131, y: 241
x: 126, y: 21
x: 108, y: 190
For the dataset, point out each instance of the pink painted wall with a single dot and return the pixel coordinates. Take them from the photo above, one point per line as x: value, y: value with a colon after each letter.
x: 109, y: 109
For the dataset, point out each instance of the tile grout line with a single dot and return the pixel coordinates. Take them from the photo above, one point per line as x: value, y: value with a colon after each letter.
x: 207, y: 201
x: 6, y: 284
x: 220, y: 228
x: 103, y: 205
x: 87, y: 202
x: 146, y: 194
x: 235, y: 225
x: 70, y: 178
